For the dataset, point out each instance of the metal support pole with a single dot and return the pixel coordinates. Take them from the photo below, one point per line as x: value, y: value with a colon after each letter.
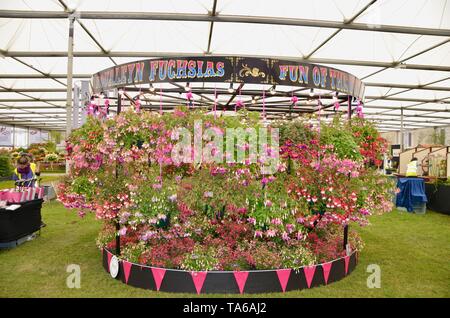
x: 76, y: 106
x: 345, y: 236
x: 69, y: 77
x: 119, y: 107
x: 349, y: 98
x: 402, y: 133
x: 84, y: 101
x: 69, y: 82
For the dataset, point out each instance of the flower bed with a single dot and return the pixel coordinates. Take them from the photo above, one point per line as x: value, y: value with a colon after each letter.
x: 223, y: 216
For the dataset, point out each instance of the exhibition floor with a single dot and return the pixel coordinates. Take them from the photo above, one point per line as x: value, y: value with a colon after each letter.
x: 411, y: 250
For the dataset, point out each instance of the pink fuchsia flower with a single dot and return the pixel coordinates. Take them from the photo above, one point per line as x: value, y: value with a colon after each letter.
x: 157, y: 186
x: 299, y: 235
x: 285, y: 236
x: 290, y: 228
x: 276, y: 221
x: 271, y: 233
x: 258, y: 233
x: 268, y: 203
x: 208, y: 194
x: 251, y: 220
x: 189, y: 95
x: 123, y: 231
x: 239, y: 104
x: 294, y: 100
x: 364, y: 211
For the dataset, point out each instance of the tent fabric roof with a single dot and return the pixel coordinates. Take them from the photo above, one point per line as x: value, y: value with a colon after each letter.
x: 400, y: 49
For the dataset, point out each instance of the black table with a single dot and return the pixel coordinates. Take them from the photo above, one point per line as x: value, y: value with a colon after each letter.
x: 438, y: 197
x: 21, y: 222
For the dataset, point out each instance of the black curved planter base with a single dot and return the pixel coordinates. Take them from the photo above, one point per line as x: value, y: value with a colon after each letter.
x: 229, y: 282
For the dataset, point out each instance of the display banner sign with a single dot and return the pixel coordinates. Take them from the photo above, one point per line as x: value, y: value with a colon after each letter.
x: 44, y: 135
x: 6, y: 134
x: 34, y: 136
x: 230, y: 70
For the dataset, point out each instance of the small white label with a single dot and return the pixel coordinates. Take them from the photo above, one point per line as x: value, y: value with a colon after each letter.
x: 348, y: 249
x: 114, y: 266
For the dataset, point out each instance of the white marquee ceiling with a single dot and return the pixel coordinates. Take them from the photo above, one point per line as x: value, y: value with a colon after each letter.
x: 400, y: 48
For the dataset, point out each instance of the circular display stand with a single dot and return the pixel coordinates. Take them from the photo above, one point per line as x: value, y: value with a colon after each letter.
x: 230, y: 282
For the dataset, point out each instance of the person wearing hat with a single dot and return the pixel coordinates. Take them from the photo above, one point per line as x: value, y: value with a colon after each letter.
x: 25, y: 170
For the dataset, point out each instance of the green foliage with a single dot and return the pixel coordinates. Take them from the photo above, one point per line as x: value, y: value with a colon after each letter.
x: 296, y: 257
x: 297, y: 131
x: 338, y: 135
x: 6, y: 168
x: 200, y: 259
x: 84, y: 186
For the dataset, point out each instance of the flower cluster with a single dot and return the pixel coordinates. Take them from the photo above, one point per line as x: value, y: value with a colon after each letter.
x: 229, y: 215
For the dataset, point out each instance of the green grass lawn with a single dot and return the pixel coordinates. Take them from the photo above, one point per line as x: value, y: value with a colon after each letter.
x: 412, y: 251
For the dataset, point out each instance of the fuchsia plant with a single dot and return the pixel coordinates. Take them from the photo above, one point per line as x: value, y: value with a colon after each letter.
x: 217, y: 215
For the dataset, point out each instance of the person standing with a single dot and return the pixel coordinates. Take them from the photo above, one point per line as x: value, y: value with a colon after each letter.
x: 411, y: 169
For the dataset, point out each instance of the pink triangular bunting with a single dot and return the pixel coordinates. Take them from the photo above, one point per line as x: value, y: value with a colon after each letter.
x: 309, y: 274
x: 199, y: 279
x: 346, y: 259
x: 326, y: 267
x: 283, y: 277
x: 126, y: 269
x: 158, y: 276
x: 241, y: 278
x: 109, y: 258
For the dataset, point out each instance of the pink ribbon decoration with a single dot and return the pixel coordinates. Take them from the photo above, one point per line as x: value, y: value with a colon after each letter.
x: 326, y: 268
x: 126, y: 269
x: 264, y: 103
x: 106, y: 109
x: 239, y: 104
x: 309, y: 274
x: 215, y: 101
x: 283, y: 277
x: 359, y: 110
x: 137, y: 103
x: 241, y: 279
x: 336, y: 106
x: 160, y: 100
x: 198, y: 279
x: 158, y: 276
x: 347, y: 261
x: 90, y: 108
